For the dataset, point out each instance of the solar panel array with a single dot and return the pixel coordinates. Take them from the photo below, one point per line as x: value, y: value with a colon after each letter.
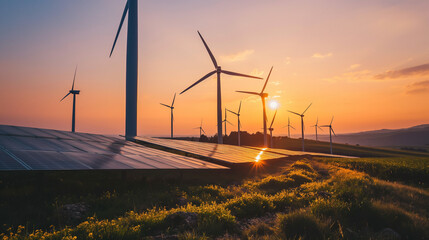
x: 228, y: 153
x: 23, y: 148
x: 221, y: 152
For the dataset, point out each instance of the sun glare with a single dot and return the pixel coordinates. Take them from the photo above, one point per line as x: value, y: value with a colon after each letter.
x: 273, y: 104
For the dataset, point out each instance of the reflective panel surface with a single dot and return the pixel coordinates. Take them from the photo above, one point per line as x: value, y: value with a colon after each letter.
x: 227, y: 153
x: 23, y: 148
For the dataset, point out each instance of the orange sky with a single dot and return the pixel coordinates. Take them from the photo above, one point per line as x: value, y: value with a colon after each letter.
x: 366, y: 62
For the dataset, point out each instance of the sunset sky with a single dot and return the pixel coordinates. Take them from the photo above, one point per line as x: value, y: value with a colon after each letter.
x: 366, y: 62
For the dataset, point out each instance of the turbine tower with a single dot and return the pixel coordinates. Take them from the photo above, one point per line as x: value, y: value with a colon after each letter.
x: 302, y: 124
x: 238, y: 123
x: 131, y: 68
x: 331, y: 130
x: 316, y: 126
x: 171, y: 109
x: 271, y: 130
x: 218, y: 70
x: 74, y: 92
x: 225, y: 121
x: 264, y: 114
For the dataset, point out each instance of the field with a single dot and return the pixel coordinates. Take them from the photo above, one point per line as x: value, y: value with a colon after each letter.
x: 381, y: 196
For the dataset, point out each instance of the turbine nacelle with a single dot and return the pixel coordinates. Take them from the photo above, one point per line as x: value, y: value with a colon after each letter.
x: 74, y: 91
x: 264, y: 95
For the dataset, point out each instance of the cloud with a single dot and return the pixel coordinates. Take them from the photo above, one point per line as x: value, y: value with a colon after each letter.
x: 236, y: 57
x: 418, y: 87
x: 353, y: 66
x: 405, y: 72
x: 276, y: 83
x: 319, y: 55
x: 287, y: 61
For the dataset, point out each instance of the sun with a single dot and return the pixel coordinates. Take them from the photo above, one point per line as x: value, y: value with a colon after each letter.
x: 273, y: 104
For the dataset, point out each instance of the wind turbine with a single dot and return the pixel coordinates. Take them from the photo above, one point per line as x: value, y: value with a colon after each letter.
x: 317, y: 127
x: 331, y: 130
x: 271, y: 130
x: 302, y: 124
x: 74, y: 92
x: 218, y: 70
x: 238, y: 123
x: 131, y: 68
x: 201, y: 129
x: 171, y: 108
x: 225, y: 121
x: 288, y: 127
x: 263, y: 97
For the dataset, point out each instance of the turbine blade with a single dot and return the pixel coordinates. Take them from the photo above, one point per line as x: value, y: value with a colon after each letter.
x: 202, y: 79
x: 172, y: 104
x: 208, y: 50
x: 293, y: 128
x: 239, y: 108
x: 266, y: 81
x: 317, y: 121
x: 65, y: 96
x: 254, y: 93
x: 324, y: 126
x: 294, y: 113
x: 74, y: 77
x: 332, y: 120
x: 320, y: 128
x: 119, y: 28
x: 239, y: 74
x: 232, y: 112
x: 333, y: 132
x: 307, y: 108
x: 229, y: 123
x: 165, y: 105
x: 203, y: 131
x: 273, y: 119
x: 196, y: 128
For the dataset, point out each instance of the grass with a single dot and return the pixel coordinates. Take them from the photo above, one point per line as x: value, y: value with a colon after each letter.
x: 411, y: 170
x: 324, y: 199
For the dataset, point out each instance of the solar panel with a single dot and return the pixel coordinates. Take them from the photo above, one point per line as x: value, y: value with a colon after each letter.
x: 229, y: 154
x: 225, y: 153
x: 24, y: 148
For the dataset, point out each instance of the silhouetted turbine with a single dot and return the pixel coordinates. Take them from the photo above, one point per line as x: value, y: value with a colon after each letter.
x: 225, y: 121
x: 74, y: 92
x: 201, y: 129
x: 302, y: 124
x: 271, y: 130
x: 131, y: 68
x: 331, y: 130
x: 238, y: 123
x: 288, y: 127
x: 172, y: 117
x: 264, y: 113
x: 218, y: 70
x: 317, y: 127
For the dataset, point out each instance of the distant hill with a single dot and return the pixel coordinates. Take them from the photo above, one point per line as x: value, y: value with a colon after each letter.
x: 413, y: 136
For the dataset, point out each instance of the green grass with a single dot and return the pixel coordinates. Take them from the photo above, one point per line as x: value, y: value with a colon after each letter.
x: 411, y: 170
x: 326, y: 199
